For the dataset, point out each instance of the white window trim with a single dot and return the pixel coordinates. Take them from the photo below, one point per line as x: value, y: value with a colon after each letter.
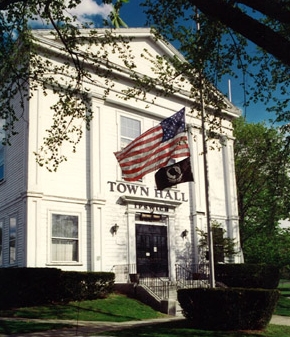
x: 50, y: 262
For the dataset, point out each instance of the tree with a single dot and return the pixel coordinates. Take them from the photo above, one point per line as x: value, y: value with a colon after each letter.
x: 220, y: 38
x: 263, y: 184
x: 222, y: 244
x: 24, y: 68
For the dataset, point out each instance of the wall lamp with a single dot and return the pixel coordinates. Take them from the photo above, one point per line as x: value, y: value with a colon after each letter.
x: 114, y: 229
x: 184, y: 234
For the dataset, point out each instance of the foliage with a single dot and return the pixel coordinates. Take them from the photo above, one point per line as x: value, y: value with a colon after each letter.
x: 244, y: 275
x: 48, y: 285
x: 238, y: 308
x: 283, y: 305
x: 221, y: 41
x: 263, y: 186
x: 26, y: 69
x: 223, y: 245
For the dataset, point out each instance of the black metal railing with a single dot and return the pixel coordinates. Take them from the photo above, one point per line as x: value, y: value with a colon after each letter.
x: 128, y: 273
x: 157, y: 285
x: 194, y: 276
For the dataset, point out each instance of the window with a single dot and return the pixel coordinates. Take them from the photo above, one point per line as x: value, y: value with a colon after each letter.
x: 130, y: 129
x: 2, y: 136
x: 12, y: 240
x: 65, y: 238
x: 1, y: 242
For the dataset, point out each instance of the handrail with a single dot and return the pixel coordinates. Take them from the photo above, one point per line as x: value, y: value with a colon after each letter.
x: 196, y: 276
x: 156, y: 284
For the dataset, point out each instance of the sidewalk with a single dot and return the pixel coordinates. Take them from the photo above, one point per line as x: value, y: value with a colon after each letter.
x: 84, y: 328
x: 89, y: 329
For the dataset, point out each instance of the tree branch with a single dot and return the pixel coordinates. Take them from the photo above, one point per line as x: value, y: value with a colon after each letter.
x: 275, y: 9
x: 5, y: 3
x: 250, y: 28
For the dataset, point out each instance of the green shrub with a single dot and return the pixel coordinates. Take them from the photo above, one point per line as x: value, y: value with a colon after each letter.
x: 228, y: 308
x: 86, y: 285
x: 248, y: 275
x: 35, y: 286
x: 27, y: 286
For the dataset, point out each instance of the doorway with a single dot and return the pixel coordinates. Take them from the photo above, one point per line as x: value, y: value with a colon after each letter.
x: 151, y: 250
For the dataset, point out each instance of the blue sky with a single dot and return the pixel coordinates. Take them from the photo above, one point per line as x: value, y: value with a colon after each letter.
x: 134, y: 17
x: 132, y: 14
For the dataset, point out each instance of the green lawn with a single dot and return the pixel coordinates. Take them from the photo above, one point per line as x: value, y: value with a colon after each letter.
x: 119, y: 308
x: 115, y: 308
x: 180, y: 328
x: 283, y: 306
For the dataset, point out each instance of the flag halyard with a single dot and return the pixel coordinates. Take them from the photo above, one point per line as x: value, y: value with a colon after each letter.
x: 154, y: 148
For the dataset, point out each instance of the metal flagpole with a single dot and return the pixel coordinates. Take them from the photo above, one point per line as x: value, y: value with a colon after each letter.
x: 206, y: 178
x: 192, y: 201
x: 206, y: 184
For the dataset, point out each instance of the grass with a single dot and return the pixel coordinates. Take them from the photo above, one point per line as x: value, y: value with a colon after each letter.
x: 181, y: 328
x: 115, y: 308
x: 9, y: 327
x: 283, y: 306
x: 119, y: 308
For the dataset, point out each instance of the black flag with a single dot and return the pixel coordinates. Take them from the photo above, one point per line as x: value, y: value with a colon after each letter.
x: 174, y: 174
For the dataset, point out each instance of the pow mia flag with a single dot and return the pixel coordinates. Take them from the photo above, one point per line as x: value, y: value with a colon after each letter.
x: 174, y: 174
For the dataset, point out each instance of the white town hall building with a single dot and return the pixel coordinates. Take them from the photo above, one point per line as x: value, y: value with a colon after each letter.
x: 84, y: 216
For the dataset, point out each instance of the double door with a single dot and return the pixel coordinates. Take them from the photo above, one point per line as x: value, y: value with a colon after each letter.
x: 151, y: 250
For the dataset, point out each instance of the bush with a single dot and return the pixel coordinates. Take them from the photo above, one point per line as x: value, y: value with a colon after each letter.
x: 27, y: 286
x: 36, y: 286
x: 77, y: 286
x: 248, y: 275
x: 228, y: 308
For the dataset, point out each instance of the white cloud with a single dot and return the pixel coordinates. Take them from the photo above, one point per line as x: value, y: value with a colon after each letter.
x: 85, y: 12
x: 88, y: 8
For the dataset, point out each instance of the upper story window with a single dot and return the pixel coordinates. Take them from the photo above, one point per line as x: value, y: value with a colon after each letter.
x: 2, y: 136
x: 130, y: 129
x: 65, y: 238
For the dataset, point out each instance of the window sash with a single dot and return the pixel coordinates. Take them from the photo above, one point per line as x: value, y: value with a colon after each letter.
x: 65, y: 238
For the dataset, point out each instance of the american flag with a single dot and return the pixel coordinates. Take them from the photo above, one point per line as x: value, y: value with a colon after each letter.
x: 154, y: 148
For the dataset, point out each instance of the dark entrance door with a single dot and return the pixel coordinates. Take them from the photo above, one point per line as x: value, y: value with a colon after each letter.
x: 151, y: 250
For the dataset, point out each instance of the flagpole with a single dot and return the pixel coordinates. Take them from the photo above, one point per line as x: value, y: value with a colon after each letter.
x: 192, y: 200
x: 206, y: 184
x: 205, y: 165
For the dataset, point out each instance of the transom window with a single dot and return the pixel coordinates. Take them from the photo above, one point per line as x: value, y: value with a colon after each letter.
x: 65, y: 238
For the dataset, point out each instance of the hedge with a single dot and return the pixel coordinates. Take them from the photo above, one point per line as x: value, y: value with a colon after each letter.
x: 36, y: 286
x: 248, y: 275
x: 228, y: 308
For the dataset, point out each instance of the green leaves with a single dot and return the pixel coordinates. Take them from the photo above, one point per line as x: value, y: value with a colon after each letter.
x: 262, y: 173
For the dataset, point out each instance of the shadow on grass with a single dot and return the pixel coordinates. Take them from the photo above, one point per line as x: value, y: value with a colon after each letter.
x: 70, y: 312
x: 185, y: 329
x: 13, y: 326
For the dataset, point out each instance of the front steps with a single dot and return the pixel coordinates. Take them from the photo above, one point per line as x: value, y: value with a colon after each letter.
x: 169, y: 306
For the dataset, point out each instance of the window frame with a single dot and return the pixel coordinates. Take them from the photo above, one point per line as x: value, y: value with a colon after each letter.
x: 2, y: 149
x: 52, y: 237
x: 2, y: 223
x: 11, y: 217
x: 120, y: 148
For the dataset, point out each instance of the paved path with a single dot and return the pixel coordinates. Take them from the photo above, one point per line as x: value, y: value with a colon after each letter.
x: 88, y: 329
